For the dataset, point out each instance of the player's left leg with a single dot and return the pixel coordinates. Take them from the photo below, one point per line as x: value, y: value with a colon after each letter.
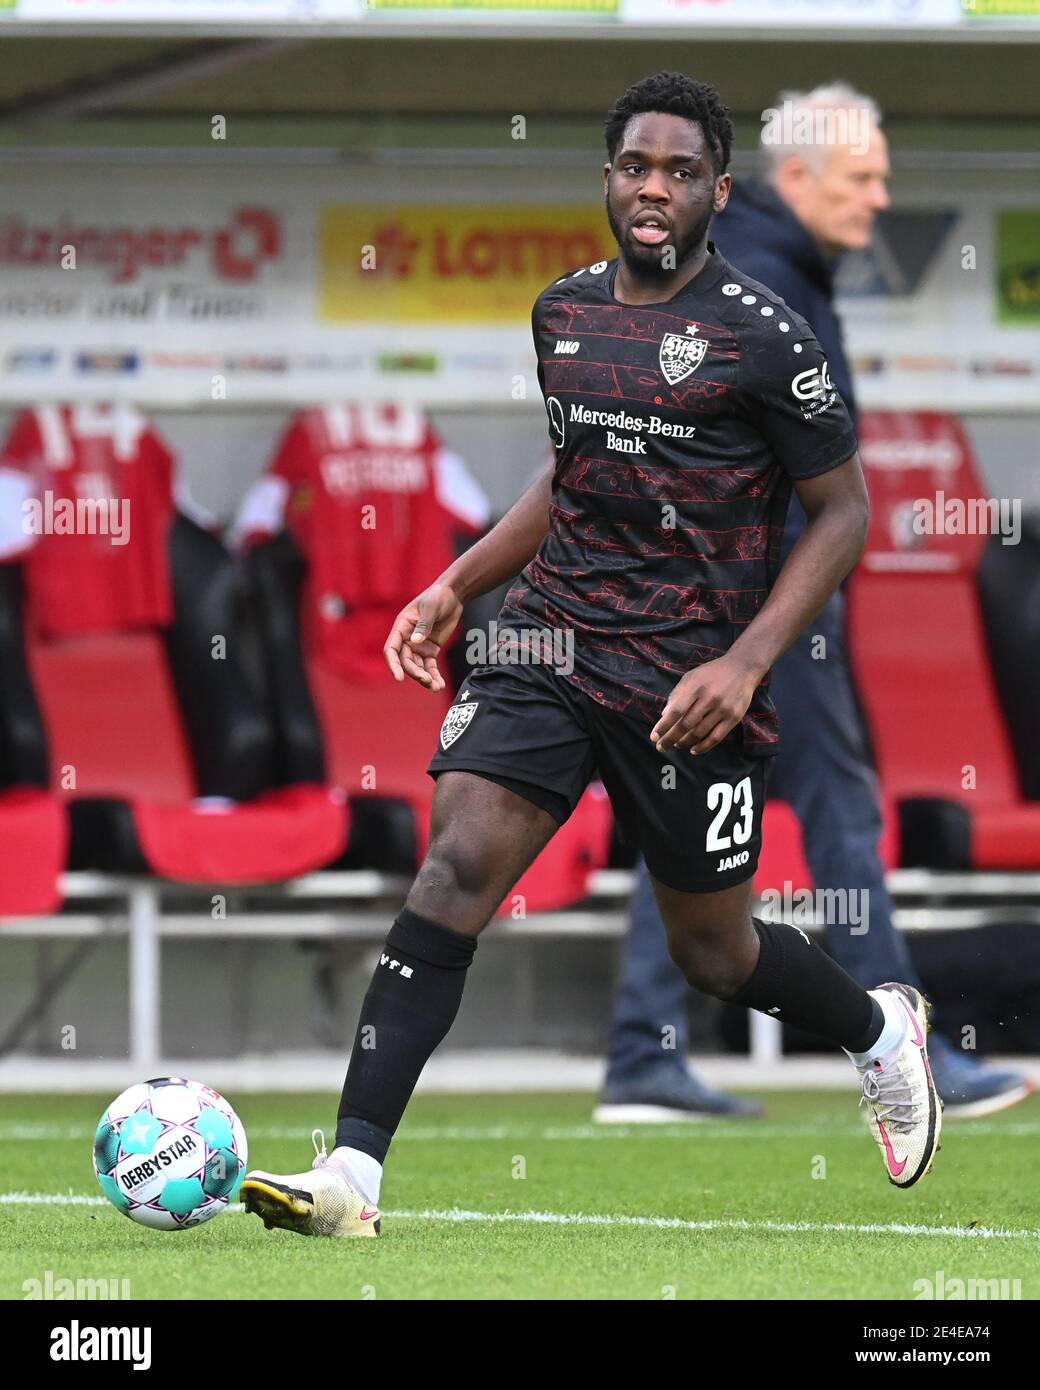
x: 725, y: 952
x: 824, y: 772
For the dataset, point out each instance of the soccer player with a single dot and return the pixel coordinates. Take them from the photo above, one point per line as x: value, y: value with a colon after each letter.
x: 823, y: 189
x: 684, y: 401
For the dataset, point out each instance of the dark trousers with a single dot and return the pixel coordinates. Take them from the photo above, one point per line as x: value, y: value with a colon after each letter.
x: 823, y: 771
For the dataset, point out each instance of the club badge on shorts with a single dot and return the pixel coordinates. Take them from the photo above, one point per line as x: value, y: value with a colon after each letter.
x: 456, y: 721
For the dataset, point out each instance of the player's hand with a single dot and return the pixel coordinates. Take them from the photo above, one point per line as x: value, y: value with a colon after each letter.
x: 705, y: 706
x: 419, y: 632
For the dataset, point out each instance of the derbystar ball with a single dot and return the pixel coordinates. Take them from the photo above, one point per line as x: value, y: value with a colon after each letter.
x: 170, y: 1153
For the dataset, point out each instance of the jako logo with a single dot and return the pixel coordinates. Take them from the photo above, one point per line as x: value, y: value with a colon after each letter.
x: 567, y: 345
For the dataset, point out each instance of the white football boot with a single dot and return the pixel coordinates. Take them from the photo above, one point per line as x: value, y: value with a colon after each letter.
x: 319, y: 1203
x: 903, y: 1108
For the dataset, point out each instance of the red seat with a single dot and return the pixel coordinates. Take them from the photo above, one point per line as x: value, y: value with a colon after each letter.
x: 111, y: 716
x: 120, y: 627
x: 559, y: 877
x: 918, y: 643
x: 782, y: 862
x: 278, y: 835
x: 379, y: 735
x: 34, y: 829
x: 782, y: 859
x: 115, y: 731
x: 33, y: 849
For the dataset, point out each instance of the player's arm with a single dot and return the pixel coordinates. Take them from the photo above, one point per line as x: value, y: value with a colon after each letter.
x: 424, y: 625
x: 711, y: 700
x: 838, y: 511
x: 507, y: 547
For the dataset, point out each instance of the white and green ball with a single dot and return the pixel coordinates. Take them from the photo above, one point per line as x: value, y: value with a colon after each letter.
x: 170, y: 1153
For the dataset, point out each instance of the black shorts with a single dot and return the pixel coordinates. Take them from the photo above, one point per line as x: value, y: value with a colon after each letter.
x: 696, y: 819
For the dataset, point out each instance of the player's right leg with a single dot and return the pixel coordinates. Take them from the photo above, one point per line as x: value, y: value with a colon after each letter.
x: 700, y: 831
x: 514, y: 724
x: 778, y: 970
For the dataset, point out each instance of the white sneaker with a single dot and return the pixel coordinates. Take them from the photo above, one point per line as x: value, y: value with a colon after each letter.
x: 903, y: 1108
x: 320, y: 1203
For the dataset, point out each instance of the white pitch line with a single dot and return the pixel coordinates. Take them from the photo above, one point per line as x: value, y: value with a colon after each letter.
x: 49, y: 1199
x: 668, y: 1223
x: 564, y: 1218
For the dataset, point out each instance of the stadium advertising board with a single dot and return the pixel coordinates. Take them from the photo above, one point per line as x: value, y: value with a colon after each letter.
x: 179, y: 11
x: 802, y: 15
x: 1018, y: 267
x: 826, y: 14
x: 448, y: 263
x: 570, y: 8
x: 169, y: 286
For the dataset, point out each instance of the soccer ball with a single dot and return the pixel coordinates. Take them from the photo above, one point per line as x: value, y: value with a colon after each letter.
x: 170, y: 1153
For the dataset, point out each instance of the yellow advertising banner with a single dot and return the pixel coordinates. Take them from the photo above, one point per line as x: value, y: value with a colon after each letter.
x: 450, y: 263
x: 1002, y: 9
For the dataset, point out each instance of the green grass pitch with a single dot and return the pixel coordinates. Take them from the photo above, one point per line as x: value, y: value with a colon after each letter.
x: 522, y: 1197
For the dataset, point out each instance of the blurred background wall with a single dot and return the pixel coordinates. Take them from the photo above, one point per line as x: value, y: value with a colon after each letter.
x: 113, y: 127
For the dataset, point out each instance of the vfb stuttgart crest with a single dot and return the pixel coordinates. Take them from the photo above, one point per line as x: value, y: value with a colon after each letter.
x: 456, y: 721
x: 680, y: 357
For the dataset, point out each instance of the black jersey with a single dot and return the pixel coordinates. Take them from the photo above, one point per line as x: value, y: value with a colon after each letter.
x: 677, y: 430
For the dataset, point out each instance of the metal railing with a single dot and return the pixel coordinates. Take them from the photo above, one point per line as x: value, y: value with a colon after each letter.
x: 360, y: 906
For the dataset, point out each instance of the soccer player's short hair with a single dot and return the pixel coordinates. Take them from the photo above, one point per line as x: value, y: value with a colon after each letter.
x: 676, y: 95
x: 829, y: 109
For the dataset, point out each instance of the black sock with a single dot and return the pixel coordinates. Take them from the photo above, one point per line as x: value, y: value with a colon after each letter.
x: 798, y: 983
x: 410, y: 1005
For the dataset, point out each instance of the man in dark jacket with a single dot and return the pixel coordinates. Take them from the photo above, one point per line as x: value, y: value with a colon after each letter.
x: 826, y: 165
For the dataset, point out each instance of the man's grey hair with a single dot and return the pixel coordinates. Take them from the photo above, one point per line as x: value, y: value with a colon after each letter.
x: 811, y: 125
